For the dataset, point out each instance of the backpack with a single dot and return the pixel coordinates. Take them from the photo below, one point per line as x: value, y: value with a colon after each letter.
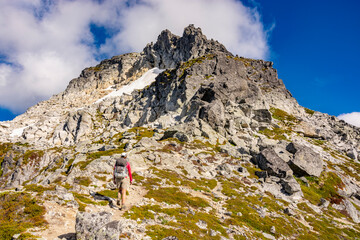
x: 121, y: 170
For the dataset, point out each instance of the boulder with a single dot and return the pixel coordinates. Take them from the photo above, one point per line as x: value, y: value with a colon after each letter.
x: 262, y: 115
x: 181, y: 136
x: 290, y: 185
x: 96, y: 226
x: 214, y: 114
x: 230, y: 150
x: 305, y: 161
x: 146, y: 142
x: 269, y: 161
x: 352, y: 211
x: 61, y: 193
x: 352, y: 153
x: 306, y: 129
x: 223, y: 168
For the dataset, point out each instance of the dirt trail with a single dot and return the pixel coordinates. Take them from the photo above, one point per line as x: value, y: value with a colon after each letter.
x: 61, y: 219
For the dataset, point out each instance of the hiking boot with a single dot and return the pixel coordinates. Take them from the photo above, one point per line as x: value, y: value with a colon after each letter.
x: 118, y: 202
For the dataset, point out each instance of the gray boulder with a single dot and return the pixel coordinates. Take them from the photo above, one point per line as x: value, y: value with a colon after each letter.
x: 181, y: 136
x: 352, y: 211
x: 146, y: 142
x: 269, y: 161
x: 305, y: 161
x: 61, y: 193
x: 290, y: 185
x: 96, y: 226
x: 262, y: 115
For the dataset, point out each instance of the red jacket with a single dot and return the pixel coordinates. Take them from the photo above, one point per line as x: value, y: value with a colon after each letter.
x: 129, y: 171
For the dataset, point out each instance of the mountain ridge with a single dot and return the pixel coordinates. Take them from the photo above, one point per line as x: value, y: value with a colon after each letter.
x: 225, y: 126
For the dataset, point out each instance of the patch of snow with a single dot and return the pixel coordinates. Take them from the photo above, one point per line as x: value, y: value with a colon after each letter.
x: 140, y: 83
x: 17, y: 132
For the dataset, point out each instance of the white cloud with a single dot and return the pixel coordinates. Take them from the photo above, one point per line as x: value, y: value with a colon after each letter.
x: 44, y: 44
x: 352, y: 118
x: 228, y: 21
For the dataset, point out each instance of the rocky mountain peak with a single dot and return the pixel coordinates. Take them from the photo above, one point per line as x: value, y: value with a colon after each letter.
x: 169, y: 49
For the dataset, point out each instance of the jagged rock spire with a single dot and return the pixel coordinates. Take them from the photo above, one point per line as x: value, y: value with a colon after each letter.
x: 170, y: 49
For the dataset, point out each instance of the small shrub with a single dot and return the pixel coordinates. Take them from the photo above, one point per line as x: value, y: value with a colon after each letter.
x: 174, y: 196
x: 38, y: 188
x: 101, y: 178
x: 142, y: 132
x: 324, y: 187
x: 18, y: 212
x: 309, y: 111
x: 275, y: 133
x: 283, y: 116
x: 109, y: 193
x: 32, y: 155
x: 95, y: 155
x: 84, y: 181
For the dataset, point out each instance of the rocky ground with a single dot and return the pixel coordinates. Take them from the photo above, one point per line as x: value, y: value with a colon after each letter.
x: 219, y: 149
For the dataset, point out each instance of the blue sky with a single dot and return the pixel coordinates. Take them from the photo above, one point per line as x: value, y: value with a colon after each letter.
x: 315, y: 48
x: 314, y: 44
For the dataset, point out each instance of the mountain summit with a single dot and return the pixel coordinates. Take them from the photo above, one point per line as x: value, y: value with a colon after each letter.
x: 220, y: 149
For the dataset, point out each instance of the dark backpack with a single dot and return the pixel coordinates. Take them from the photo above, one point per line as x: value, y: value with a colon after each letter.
x: 121, y: 170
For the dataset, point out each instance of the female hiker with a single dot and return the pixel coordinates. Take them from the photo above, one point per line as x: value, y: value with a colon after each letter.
x: 122, y: 171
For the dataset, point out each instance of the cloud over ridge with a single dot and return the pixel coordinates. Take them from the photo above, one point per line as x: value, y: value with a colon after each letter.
x: 44, y: 44
x: 352, y: 118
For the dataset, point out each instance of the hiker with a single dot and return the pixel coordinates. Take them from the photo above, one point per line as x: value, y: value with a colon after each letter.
x: 122, y: 171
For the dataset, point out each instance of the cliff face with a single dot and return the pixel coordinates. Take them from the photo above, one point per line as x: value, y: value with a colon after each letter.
x: 220, y: 148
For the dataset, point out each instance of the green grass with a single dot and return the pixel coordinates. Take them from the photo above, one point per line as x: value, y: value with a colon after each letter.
x: 206, y: 146
x: 137, y: 177
x: 157, y: 232
x: 247, y: 205
x: 109, y: 193
x: 325, y: 229
x: 38, y: 188
x: 84, y: 181
x: 229, y: 187
x: 32, y: 155
x: 252, y: 169
x: 101, y: 178
x: 181, y: 180
x: 18, y: 212
x: 56, y: 165
x: 85, y: 200
x: 281, y: 115
x: 275, y: 133
x: 309, y: 111
x: 69, y: 163
x: 142, y: 132
x: 173, y: 195
x: 95, y: 155
x: 185, y: 221
x: 245, y: 61
x: 325, y: 186
x: 96, y: 68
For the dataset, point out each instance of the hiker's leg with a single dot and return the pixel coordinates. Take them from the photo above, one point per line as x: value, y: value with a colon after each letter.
x: 124, y: 186
x: 118, y: 196
x: 123, y: 196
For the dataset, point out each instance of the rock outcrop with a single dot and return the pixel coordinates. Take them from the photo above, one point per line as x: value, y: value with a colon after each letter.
x: 305, y: 162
